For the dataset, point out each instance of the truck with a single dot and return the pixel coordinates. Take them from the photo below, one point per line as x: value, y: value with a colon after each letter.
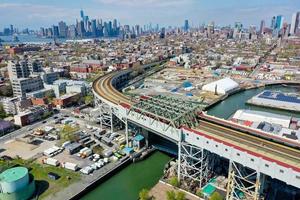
x: 70, y: 166
x: 107, y: 153
x: 86, y: 153
x: 51, y: 161
x: 65, y: 144
x: 86, y: 170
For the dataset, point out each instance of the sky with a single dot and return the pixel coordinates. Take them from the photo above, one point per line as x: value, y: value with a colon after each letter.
x: 37, y: 13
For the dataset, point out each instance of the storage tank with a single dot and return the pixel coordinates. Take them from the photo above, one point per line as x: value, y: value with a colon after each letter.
x: 13, y: 179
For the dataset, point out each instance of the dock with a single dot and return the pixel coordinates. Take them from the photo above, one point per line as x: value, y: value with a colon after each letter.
x: 276, y: 100
x: 89, y: 182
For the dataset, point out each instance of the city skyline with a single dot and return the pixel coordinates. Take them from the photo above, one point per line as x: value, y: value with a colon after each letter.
x: 165, y: 13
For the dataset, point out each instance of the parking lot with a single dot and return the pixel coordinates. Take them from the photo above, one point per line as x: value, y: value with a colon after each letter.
x: 66, y: 129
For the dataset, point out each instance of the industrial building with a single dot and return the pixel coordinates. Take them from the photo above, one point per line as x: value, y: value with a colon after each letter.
x: 276, y: 100
x: 16, y: 184
x: 258, y: 116
x: 223, y: 86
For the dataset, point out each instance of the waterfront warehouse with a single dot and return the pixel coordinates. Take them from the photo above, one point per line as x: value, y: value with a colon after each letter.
x: 276, y: 100
x: 223, y: 86
x: 16, y: 184
x: 259, y: 116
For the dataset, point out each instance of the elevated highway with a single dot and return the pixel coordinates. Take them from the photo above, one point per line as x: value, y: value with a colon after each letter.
x: 262, y: 156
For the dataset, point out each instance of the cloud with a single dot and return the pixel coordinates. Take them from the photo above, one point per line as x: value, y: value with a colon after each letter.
x: 26, y: 14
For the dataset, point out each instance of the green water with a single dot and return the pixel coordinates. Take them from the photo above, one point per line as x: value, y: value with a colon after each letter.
x: 127, y: 184
x: 238, y: 101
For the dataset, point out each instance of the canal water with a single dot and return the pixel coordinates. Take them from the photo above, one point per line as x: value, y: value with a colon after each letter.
x: 237, y: 101
x: 127, y: 184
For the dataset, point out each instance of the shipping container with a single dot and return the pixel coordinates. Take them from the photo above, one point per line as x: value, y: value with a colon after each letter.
x: 70, y: 166
x: 51, y: 161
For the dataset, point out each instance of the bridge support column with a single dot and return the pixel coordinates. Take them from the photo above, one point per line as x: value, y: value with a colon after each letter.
x: 193, y: 163
x: 243, y: 183
x: 105, y: 114
x: 126, y: 132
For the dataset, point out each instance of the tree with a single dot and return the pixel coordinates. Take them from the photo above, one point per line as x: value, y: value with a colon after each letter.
x: 6, y: 90
x: 200, y: 193
x: 174, y: 181
x: 216, y: 196
x: 88, y: 99
x: 144, y: 195
x: 2, y: 112
x: 68, y: 133
x: 180, y: 196
x: 171, y: 195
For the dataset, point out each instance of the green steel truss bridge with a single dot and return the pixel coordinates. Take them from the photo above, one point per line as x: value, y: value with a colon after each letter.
x: 171, y: 110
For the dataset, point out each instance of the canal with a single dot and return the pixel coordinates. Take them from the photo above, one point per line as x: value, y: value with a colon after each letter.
x: 127, y: 184
x: 237, y: 101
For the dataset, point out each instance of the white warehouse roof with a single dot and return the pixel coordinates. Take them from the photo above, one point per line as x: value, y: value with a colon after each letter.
x: 223, y: 86
x: 259, y: 116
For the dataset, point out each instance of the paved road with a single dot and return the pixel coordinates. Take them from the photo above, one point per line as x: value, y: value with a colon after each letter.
x: 26, y: 130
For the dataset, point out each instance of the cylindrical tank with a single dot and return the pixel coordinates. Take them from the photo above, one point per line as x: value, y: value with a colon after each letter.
x: 13, y: 179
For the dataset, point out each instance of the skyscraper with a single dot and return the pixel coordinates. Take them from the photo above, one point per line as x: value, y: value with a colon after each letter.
x: 94, y: 28
x: 80, y: 29
x: 279, y: 22
x: 82, y: 14
x: 72, y: 31
x: 62, y: 29
x: 55, y: 31
x: 262, y: 27
x: 273, y: 22
x: 11, y: 29
x: 295, y: 23
x: 186, y: 25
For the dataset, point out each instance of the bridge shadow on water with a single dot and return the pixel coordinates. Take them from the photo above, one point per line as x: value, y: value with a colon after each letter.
x: 162, y: 144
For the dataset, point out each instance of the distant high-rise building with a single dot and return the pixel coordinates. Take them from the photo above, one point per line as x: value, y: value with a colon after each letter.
x: 211, y: 28
x: 72, y: 31
x: 186, y: 25
x: 86, y: 23
x: 49, y: 32
x: 115, y: 24
x: 82, y: 14
x: 80, y: 29
x: 94, y: 28
x: 238, y: 27
x: 262, y: 27
x: 137, y: 30
x: 279, y: 22
x: 55, y: 31
x: 42, y: 31
x: 162, y: 33
x: 11, y: 29
x: 295, y: 23
x: 273, y: 22
x: 62, y: 29
x: 105, y: 30
x: 6, y: 31
x: 110, y: 28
